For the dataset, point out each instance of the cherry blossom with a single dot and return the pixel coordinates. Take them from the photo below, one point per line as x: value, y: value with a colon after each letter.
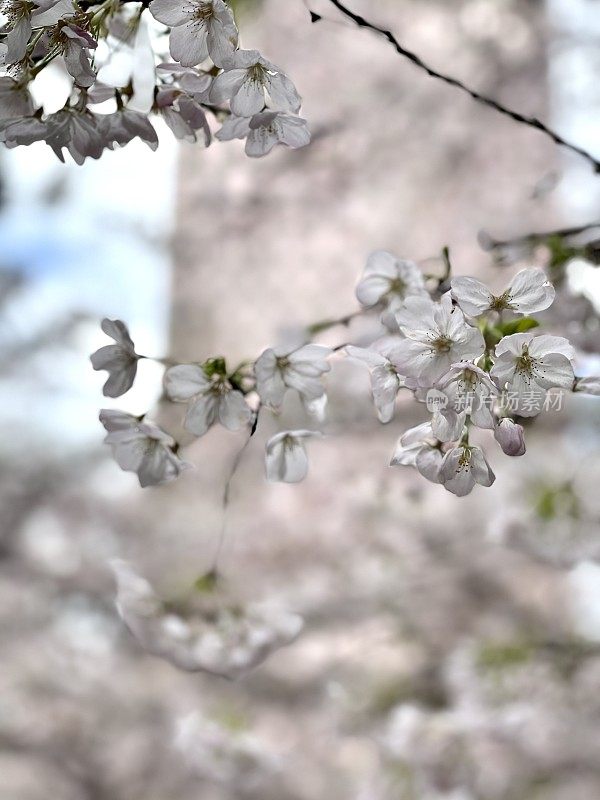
x: 463, y: 467
x: 124, y: 125
x: 83, y: 134
x: 527, y: 365
x: 418, y: 447
x: 286, y: 458
x: 210, y: 397
x: 199, y: 29
x: 76, y: 44
x: 141, y: 447
x: 24, y: 16
x: 509, y: 436
x: 265, y: 130
x: 589, y: 385
x: 528, y: 292
x: 471, y: 390
x: 390, y: 280
x: 278, y: 370
x: 209, y: 635
x: 437, y: 336
x: 250, y: 82
x: 385, y: 380
x: 183, y: 115
x: 120, y: 360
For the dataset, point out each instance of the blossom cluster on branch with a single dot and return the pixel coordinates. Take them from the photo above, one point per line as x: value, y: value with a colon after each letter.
x: 473, y: 358
x: 120, y: 75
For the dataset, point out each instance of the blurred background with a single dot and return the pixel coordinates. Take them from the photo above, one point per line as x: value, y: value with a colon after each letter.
x: 451, y: 648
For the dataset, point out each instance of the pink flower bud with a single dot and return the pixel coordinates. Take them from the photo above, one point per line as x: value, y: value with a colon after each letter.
x: 510, y: 437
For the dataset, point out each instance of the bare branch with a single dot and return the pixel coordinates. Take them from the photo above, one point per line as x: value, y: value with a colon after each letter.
x: 531, y: 122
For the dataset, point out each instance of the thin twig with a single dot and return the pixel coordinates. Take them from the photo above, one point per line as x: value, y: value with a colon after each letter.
x: 532, y: 122
x: 227, y: 489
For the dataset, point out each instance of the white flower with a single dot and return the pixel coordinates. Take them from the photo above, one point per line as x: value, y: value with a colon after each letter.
x: 527, y: 365
x: 213, y: 637
x: 265, y: 130
x: 277, y: 371
x: 437, y: 336
x: 120, y: 360
x: 463, y: 467
x: 509, y: 436
x: 388, y: 279
x: 286, y: 458
x: 233, y: 758
x: 417, y: 447
x: 141, y: 447
x: 471, y: 390
x: 590, y: 385
x: 211, y: 398
x: 528, y: 292
x: 250, y: 82
x: 385, y: 381
x: 200, y: 28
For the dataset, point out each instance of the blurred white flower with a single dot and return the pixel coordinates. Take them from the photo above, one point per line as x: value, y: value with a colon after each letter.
x: 385, y: 380
x: 250, y: 82
x: 217, y: 753
x: 286, y: 458
x: 510, y: 437
x: 437, y: 336
x: 132, y: 62
x: 529, y: 291
x: 183, y: 115
x: 527, y: 365
x: 389, y: 279
x: 590, y: 385
x: 199, y: 28
x: 211, y: 398
x: 15, y: 100
x: 463, y: 467
x: 214, y: 637
x: 120, y: 360
x: 141, y: 447
x: 278, y: 370
x: 417, y: 447
x: 265, y: 130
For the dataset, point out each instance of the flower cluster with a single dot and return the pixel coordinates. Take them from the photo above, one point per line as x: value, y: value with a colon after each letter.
x: 212, y: 635
x: 473, y: 359
x: 115, y: 89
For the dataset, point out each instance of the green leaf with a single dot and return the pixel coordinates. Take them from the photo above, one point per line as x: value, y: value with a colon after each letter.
x: 206, y: 583
x: 518, y: 326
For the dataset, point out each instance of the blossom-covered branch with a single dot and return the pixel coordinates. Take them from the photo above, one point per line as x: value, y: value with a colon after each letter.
x: 115, y: 90
x: 471, y: 356
x: 530, y: 121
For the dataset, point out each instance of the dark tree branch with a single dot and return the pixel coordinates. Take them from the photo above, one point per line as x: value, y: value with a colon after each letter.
x: 532, y: 122
x: 488, y: 243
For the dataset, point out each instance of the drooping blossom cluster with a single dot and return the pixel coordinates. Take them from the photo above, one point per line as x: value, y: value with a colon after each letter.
x: 204, y: 633
x: 120, y: 72
x: 473, y: 359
